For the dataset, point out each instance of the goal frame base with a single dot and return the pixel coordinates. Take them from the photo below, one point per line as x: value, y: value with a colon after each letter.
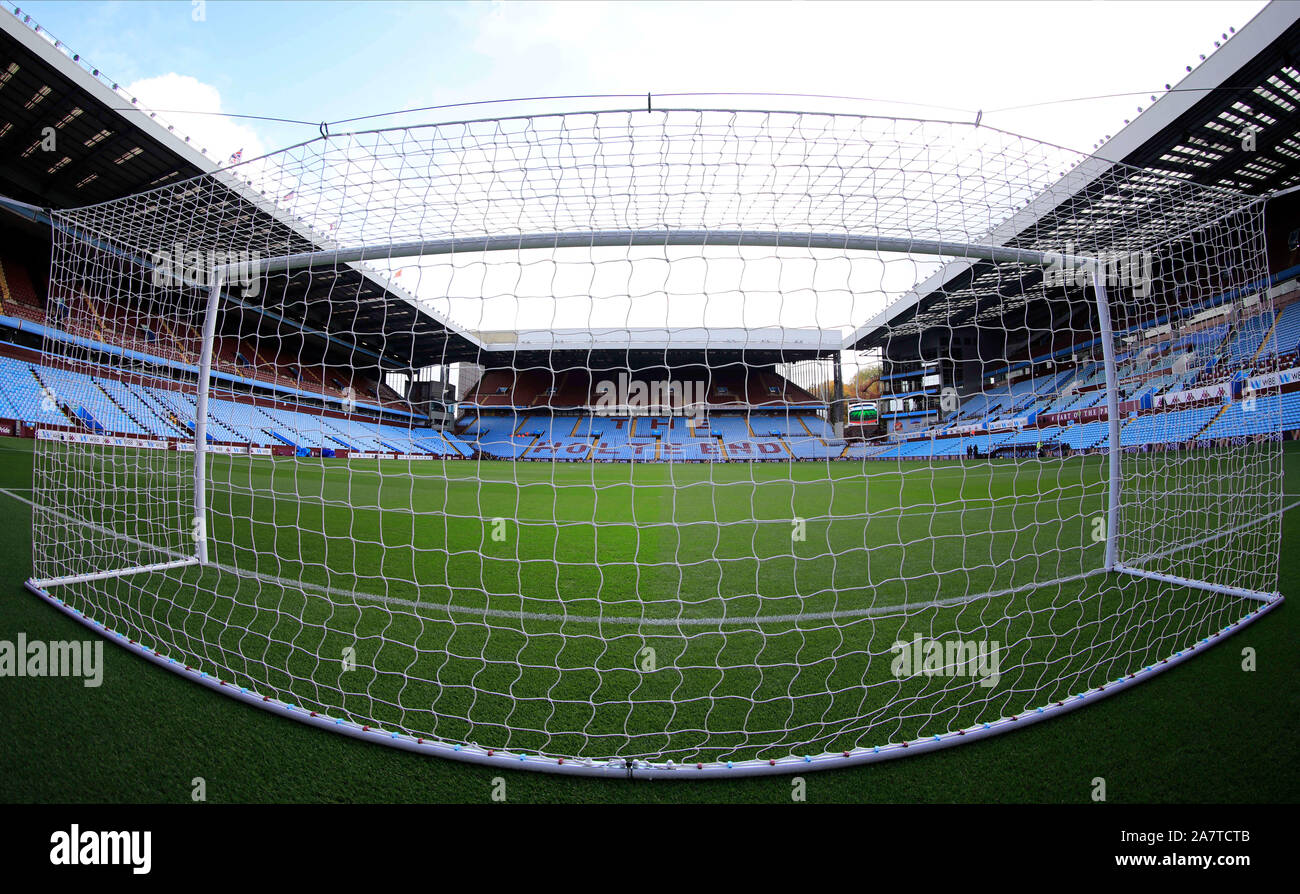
x: 642, y: 769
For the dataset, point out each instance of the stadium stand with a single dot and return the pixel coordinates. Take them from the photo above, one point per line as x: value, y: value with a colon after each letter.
x: 1000, y: 420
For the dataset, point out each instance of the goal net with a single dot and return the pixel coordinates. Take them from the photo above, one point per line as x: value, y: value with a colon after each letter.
x: 527, y: 441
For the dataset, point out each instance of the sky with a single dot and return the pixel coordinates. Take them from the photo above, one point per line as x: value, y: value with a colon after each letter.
x: 329, y: 61
x: 1031, y: 68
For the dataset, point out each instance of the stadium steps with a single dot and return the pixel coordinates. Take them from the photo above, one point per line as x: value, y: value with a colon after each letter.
x: 54, y: 396
x: 1263, y: 342
x: 531, y: 444
x: 1206, y: 427
x: 176, y: 405
x: 262, y: 410
x: 267, y: 416
x: 176, y: 342
x: 1220, y: 347
x: 88, y: 420
x: 279, y: 437
x: 435, y: 445
x: 40, y: 383
x: 125, y: 412
x: 213, y: 422
x: 207, y: 436
x: 163, y: 411
x: 98, y: 325
x: 459, y: 445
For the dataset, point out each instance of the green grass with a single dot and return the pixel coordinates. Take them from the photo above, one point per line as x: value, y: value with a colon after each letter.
x: 696, y: 562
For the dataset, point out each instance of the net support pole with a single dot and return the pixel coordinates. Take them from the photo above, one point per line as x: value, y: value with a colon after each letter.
x: 1112, y: 413
x: 837, y: 395
x: 201, y: 418
x: 1207, y: 586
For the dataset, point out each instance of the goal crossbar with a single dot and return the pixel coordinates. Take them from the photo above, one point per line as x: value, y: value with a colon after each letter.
x: 653, y: 238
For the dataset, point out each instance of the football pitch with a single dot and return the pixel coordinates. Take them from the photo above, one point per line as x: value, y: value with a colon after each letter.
x: 691, y: 612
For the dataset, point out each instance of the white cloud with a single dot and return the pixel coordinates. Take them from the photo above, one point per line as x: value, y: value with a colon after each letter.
x: 219, y: 135
x: 928, y: 59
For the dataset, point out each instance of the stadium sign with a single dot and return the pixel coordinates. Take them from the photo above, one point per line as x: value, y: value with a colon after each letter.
x: 1275, y: 379
x: 1017, y: 423
x: 753, y: 448
x: 229, y: 449
x: 78, y: 437
x: 1087, y: 414
x: 1221, y: 392
x: 863, y: 414
x: 571, y: 450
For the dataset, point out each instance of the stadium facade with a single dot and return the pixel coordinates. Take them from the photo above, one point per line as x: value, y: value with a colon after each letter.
x: 309, y: 365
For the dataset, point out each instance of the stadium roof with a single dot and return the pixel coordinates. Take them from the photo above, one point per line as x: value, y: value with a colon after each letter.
x: 97, y: 154
x: 772, y: 338
x: 648, y: 346
x: 1191, y: 134
x: 107, y: 146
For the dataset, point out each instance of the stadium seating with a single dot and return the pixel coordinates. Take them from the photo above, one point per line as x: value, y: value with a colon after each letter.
x: 39, y: 394
x: 24, y: 395
x: 1171, y: 427
x: 1286, y: 335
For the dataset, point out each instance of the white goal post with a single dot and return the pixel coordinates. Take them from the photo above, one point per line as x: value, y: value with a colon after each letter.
x: 1094, y: 533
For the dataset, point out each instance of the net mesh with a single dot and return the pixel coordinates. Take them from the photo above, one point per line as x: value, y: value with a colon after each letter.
x: 632, y: 523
